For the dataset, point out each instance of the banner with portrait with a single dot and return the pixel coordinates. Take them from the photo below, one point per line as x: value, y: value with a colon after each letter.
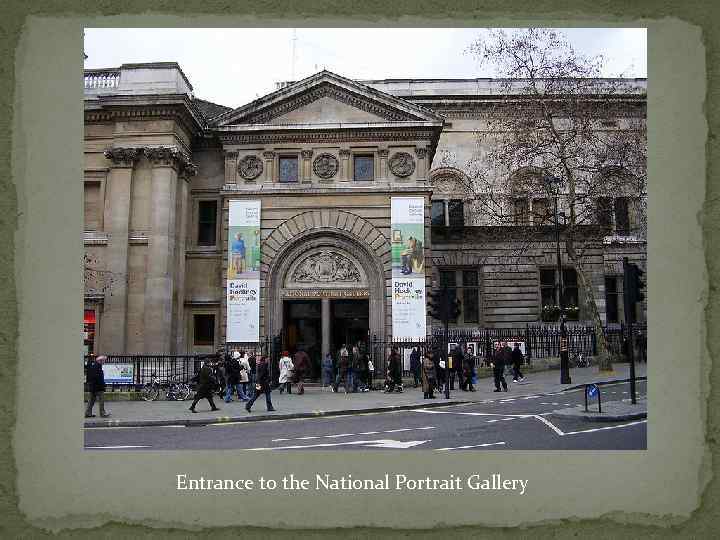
x: 243, y: 272
x: 407, y: 231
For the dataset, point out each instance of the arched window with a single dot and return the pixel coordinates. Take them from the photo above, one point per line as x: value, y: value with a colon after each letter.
x: 529, y: 200
x: 618, y: 202
x: 451, y: 190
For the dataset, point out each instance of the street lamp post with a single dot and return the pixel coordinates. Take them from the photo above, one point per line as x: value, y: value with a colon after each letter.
x: 564, y: 361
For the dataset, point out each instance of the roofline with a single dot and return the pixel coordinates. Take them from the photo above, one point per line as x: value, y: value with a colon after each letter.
x: 490, y: 79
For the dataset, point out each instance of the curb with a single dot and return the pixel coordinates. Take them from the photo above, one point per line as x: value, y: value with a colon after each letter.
x: 227, y: 419
x: 601, y: 383
x: 616, y: 418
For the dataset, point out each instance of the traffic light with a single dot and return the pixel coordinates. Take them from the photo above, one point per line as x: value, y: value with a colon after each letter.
x: 637, y: 285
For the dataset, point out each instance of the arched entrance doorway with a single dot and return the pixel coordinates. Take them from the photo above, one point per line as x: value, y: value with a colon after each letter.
x: 326, y: 289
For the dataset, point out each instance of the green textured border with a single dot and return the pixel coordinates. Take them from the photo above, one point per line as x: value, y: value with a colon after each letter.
x: 701, y: 14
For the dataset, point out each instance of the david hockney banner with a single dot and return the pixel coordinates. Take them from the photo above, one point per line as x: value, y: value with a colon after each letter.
x: 243, y: 278
x: 408, y: 267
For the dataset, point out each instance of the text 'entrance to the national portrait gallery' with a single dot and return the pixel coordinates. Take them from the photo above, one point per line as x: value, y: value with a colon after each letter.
x: 324, y: 325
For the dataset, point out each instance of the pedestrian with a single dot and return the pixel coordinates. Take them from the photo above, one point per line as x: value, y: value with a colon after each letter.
x: 439, y: 370
x: 415, y: 366
x: 357, y: 368
x: 218, y: 367
x: 252, y: 374
x: 244, y: 375
x: 328, y: 366
x: 457, y: 368
x: 232, y: 372
x: 393, y: 381
x: 468, y: 372
x: 286, y: 373
x: 262, y: 386
x: 206, y: 386
x: 499, y: 367
x: 517, y: 360
x: 371, y: 373
x: 301, y: 365
x: 95, y: 379
x: 343, y: 371
x: 429, y: 375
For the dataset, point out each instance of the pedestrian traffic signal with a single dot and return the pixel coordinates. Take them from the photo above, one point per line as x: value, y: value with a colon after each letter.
x: 438, y: 305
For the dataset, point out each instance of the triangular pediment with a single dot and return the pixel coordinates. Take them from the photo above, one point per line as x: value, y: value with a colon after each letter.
x: 326, y: 98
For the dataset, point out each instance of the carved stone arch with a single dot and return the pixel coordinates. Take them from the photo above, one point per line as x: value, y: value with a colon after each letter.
x: 327, y: 230
x: 616, y: 181
x: 450, y: 181
x: 458, y: 258
x: 526, y: 181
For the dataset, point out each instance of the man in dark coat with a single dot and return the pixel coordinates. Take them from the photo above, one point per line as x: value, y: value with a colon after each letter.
x: 95, y: 379
x: 301, y: 363
x: 468, y: 372
x: 517, y: 360
x: 429, y: 375
x: 394, y: 376
x: 232, y: 374
x: 415, y: 366
x: 262, y: 385
x: 206, y: 386
x: 343, y: 373
x: 457, y: 368
x: 499, y: 360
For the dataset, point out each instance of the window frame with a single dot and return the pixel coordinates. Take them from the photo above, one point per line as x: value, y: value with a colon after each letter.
x: 193, y: 326
x: 288, y: 155
x: 364, y: 155
x: 199, y: 222
x: 460, y: 289
x: 555, y: 288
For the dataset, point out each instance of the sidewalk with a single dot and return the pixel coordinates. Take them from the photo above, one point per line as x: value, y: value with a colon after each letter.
x: 322, y: 402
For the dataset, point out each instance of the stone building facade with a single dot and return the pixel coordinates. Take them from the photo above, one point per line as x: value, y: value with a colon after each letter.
x: 324, y: 156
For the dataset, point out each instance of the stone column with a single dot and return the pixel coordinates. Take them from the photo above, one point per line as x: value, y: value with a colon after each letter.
x: 269, y: 162
x: 231, y: 166
x: 421, y: 170
x: 161, y: 254
x: 117, y: 220
x: 326, y: 327
x: 306, y: 169
x: 178, y: 322
x: 383, y: 155
x: 345, y: 173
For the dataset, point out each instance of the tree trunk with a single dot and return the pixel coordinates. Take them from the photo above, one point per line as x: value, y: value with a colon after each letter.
x: 603, y: 355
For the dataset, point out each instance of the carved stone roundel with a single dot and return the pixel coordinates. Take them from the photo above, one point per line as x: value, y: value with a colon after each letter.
x: 401, y: 164
x: 325, y: 166
x: 326, y: 267
x: 250, y: 167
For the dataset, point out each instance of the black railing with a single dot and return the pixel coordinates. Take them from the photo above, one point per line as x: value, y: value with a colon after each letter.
x: 143, y: 367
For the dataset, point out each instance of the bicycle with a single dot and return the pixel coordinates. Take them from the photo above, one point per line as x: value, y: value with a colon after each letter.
x: 580, y: 361
x: 176, y: 391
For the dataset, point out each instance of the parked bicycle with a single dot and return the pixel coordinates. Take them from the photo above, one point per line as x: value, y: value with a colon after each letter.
x: 578, y: 360
x: 174, y: 390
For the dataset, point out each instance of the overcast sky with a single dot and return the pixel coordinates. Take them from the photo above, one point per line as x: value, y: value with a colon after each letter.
x: 233, y: 66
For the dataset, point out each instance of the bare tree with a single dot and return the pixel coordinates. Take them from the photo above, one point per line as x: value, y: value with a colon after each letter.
x: 559, y: 129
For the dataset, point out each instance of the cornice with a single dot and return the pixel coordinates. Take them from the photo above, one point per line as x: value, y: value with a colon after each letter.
x: 230, y: 138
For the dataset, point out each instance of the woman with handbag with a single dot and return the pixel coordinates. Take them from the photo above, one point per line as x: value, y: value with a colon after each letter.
x: 286, y: 371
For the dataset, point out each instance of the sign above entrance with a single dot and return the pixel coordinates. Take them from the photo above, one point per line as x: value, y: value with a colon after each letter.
x: 326, y: 293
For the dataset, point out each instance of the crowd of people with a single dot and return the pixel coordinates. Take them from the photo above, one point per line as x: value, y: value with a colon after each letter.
x: 230, y: 374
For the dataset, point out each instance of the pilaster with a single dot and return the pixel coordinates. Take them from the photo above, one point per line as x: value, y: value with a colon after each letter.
x: 231, y: 165
x: 345, y: 174
x: 306, y: 170
x: 269, y: 157
x: 383, y: 155
x: 421, y: 153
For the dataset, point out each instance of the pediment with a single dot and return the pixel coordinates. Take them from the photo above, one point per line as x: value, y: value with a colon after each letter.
x: 326, y: 98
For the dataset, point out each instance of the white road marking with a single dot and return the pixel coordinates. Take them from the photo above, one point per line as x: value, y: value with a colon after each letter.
x: 530, y: 397
x: 430, y: 411
x: 468, y: 446
x: 550, y: 425
x: 509, y: 418
x: 351, y: 434
x: 114, y: 447
x: 382, y: 443
x: 606, y: 427
x: 491, y: 421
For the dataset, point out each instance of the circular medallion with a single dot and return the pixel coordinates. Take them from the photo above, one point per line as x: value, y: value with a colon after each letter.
x: 325, y: 166
x: 250, y: 167
x: 401, y: 164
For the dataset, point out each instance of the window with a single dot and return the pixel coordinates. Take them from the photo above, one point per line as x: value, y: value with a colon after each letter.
x: 93, y: 206
x: 622, y: 217
x: 465, y: 285
x: 455, y: 213
x: 207, y: 223
x: 521, y: 211
x: 288, y: 168
x: 542, y: 214
x: 437, y: 213
x: 549, y: 293
x: 89, y: 331
x: 204, y: 330
x: 613, y: 299
x: 364, y: 167
x: 604, y: 213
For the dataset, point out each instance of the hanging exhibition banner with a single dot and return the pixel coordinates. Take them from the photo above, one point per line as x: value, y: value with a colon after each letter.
x: 407, y: 225
x: 243, y: 274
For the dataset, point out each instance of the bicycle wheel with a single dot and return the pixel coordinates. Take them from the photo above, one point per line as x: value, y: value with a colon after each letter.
x: 150, y: 392
x: 183, y: 391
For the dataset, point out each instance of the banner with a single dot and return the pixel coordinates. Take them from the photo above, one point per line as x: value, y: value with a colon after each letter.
x: 408, y: 267
x: 243, y: 274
